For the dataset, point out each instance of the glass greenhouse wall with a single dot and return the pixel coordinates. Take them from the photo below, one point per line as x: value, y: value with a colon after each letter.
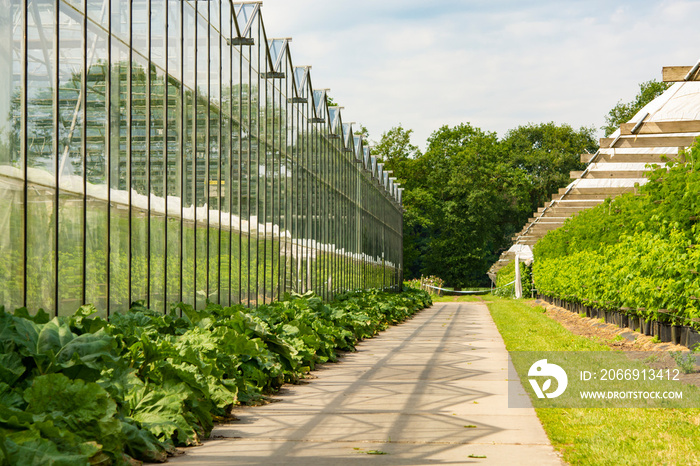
x: 168, y: 150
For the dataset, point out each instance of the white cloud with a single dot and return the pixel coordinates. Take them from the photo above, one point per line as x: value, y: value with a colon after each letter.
x: 496, y: 64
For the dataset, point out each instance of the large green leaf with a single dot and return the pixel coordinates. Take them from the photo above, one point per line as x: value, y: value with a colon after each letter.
x: 39, y: 451
x: 142, y: 444
x: 83, y: 408
x: 160, y: 412
x: 85, y: 402
x: 41, y: 317
x: 11, y: 368
x: 10, y: 397
x: 55, y: 348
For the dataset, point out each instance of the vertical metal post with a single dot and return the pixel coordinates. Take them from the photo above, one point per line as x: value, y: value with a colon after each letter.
x: 257, y: 172
x: 83, y: 150
x: 250, y: 148
x: 219, y: 138
x: 23, y: 149
x: 148, y: 69
x: 195, y: 101
x: 56, y: 210
x: 263, y: 144
x: 181, y: 149
x: 108, y: 156
x: 166, y: 127
x: 207, y: 142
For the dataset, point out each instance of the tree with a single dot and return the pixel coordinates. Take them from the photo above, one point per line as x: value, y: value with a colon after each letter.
x: 547, y: 153
x: 397, y: 153
x: 477, y: 192
x: 622, y: 113
x: 470, y: 192
x: 458, y: 201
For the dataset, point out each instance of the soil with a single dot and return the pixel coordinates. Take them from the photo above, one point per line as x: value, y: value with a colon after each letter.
x: 622, y: 339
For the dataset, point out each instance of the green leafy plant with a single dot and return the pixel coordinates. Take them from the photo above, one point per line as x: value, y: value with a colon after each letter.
x: 685, y: 361
x: 81, y: 389
x: 638, y: 251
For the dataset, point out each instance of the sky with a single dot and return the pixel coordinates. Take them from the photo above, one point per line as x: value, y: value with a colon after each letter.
x: 496, y: 64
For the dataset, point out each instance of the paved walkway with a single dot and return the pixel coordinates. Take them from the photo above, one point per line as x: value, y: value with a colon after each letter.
x: 410, y: 392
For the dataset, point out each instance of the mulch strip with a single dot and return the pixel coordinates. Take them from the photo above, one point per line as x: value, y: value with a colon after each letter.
x: 621, y: 339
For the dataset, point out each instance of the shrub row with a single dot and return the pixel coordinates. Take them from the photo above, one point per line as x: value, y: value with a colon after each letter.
x: 84, y: 390
x: 637, y: 253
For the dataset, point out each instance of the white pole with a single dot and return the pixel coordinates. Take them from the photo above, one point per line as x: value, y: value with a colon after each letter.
x: 518, y: 283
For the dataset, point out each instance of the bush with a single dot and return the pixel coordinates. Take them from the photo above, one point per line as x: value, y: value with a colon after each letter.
x: 637, y: 251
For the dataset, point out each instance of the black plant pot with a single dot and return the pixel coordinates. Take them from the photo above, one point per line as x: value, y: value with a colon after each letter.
x: 676, y: 332
x: 664, y: 332
x: 624, y: 320
x: 633, y: 323
x: 690, y: 338
x: 654, y: 328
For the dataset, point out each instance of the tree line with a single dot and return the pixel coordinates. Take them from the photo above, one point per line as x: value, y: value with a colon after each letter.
x: 471, y: 191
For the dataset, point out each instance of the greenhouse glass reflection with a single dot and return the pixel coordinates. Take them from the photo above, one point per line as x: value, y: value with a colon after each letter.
x: 166, y: 151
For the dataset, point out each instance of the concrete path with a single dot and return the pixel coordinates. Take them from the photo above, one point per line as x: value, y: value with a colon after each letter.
x: 414, y: 392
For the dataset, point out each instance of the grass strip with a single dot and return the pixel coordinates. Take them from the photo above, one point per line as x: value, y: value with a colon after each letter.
x: 464, y: 298
x: 585, y: 436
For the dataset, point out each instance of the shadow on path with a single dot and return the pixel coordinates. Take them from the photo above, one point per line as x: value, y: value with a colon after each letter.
x: 432, y: 390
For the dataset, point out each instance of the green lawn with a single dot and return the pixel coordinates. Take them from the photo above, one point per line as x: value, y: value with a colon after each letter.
x: 611, y: 436
x: 456, y: 298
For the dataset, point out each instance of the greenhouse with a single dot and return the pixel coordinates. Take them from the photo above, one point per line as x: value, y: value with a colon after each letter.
x: 170, y: 151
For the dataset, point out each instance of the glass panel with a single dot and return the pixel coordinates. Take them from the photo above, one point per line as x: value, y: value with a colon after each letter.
x: 245, y: 173
x: 158, y: 32
x: 226, y: 169
x: 276, y: 49
x: 188, y: 267
x: 174, y: 148
x: 201, y: 170
x: 96, y: 169
x: 157, y: 171
x: 11, y: 173
x: 236, y: 247
x: 244, y: 16
x: 139, y: 25
x: 265, y: 181
x: 253, y: 175
x: 139, y: 179
x: 41, y: 145
x: 98, y: 11
x: 319, y: 103
x: 119, y: 175
x: 215, y: 178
